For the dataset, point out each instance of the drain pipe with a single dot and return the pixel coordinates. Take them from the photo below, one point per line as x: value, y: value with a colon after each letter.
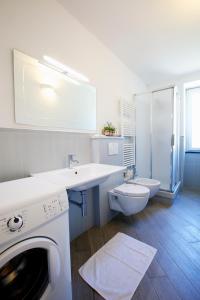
x: 82, y: 204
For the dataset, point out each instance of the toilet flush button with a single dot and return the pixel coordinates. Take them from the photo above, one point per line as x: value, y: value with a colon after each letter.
x: 15, y: 223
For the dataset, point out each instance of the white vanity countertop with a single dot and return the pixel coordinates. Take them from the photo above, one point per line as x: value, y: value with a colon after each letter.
x: 80, y: 175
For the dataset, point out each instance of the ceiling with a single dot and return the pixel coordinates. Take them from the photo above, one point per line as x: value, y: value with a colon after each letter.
x: 157, y: 39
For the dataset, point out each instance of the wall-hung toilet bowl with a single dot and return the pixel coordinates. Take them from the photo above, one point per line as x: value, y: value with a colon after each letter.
x: 152, y: 184
x: 128, y: 198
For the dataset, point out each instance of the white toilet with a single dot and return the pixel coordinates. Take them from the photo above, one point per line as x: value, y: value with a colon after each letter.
x: 129, y: 198
x: 152, y: 184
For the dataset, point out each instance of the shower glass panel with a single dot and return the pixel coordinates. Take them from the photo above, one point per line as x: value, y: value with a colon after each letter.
x: 158, y: 136
x: 162, y: 130
x: 164, y: 140
x: 176, y: 142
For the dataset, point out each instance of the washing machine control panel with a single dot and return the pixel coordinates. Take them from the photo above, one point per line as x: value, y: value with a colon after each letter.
x: 32, y: 216
x: 54, y: 206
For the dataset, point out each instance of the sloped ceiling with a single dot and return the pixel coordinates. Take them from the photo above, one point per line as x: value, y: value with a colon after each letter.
x: 157, y: 39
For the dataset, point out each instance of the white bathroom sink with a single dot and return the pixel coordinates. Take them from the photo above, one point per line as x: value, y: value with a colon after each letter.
x: 81, y: 177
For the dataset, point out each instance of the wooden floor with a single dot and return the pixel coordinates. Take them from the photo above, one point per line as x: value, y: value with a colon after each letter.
x: 175, y: 231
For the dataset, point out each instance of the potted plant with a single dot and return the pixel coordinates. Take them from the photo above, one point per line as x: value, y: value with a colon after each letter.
x: 109, y: 129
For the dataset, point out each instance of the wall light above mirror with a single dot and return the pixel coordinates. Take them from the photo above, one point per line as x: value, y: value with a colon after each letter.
x: 53, y: 97
x: 64, y: 69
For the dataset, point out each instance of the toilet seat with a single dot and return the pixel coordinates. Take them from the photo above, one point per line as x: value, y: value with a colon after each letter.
x: 132, y: 190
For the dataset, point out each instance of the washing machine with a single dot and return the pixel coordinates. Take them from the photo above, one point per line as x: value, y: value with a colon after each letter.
x: 34, y: 241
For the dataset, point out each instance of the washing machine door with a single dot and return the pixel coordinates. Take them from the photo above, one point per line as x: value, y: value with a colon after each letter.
x: 29, y: 269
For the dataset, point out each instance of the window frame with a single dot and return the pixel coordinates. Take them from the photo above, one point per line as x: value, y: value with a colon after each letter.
x: 188, y: 117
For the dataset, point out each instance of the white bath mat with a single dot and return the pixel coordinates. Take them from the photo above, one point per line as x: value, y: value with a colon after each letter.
x: 116, y: 269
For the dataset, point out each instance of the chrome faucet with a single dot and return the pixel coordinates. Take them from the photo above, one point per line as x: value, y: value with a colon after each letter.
x: 71, y: 160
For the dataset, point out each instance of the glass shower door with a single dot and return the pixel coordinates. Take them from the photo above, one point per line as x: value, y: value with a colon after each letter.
x: 163, y: 137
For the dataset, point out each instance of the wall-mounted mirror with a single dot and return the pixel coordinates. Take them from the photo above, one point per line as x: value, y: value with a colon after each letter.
x: 47, y: 98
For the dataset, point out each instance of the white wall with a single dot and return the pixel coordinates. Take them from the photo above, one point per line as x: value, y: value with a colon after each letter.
x: 38, y: 27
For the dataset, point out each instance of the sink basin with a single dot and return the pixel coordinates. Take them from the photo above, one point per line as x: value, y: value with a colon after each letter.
x: 81, y: 177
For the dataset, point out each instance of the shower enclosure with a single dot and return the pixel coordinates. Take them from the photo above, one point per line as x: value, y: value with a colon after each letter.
x: 163, y: 123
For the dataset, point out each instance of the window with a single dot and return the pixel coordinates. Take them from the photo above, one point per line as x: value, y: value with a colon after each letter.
x: 193, y: 119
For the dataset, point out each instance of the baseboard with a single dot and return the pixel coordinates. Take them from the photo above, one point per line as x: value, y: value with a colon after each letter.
x: 167, y: 197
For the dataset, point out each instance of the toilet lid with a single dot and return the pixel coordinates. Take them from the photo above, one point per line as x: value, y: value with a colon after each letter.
x: 131, y: 190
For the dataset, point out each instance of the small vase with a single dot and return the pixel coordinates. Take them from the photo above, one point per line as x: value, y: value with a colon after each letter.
x: 107, y: 132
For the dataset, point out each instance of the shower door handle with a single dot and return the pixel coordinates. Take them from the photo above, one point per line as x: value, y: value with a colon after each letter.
x: 172, y: 140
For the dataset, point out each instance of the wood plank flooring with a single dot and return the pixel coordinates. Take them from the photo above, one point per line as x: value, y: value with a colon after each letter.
x: 174, y: 230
